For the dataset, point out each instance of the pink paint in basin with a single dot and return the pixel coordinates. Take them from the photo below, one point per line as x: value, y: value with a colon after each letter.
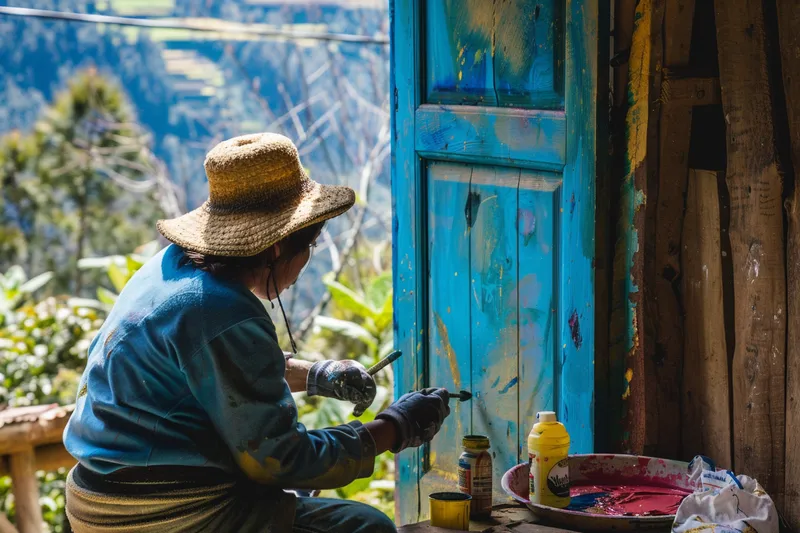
x: 627, y: 500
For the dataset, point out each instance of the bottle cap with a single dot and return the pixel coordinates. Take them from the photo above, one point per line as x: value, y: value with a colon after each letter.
x: 475, y: 442
x: 546, y: 416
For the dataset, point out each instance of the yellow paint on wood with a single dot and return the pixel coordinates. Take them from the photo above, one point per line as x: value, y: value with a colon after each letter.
x: 639, y: 85
x: 444, y: 338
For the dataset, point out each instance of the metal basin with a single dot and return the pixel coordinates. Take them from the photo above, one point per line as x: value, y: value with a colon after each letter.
x: 608, y: 470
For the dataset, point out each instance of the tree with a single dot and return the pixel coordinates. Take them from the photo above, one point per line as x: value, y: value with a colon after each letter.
x: 83, y: 183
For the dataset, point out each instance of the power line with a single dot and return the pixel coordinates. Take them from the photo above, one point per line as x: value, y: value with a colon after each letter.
x: 220, y: 26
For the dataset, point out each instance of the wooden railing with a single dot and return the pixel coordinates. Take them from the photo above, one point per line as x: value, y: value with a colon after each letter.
x: 30, y: 440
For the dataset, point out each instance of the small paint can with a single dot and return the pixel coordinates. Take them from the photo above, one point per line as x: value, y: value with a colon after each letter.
x: 475, y: 474
x: 450, y: 510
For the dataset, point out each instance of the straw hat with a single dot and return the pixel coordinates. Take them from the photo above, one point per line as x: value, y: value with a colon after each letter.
x: 258, y: 195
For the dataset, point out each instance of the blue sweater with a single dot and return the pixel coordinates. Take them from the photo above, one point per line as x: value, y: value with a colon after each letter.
x: 187, y: 370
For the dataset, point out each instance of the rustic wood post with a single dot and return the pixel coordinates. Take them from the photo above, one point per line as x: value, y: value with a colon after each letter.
x: 756, y: 233
x: 632, y: 321
x: 675, y: 129
x: 705, y: 409
x: 26, y: 491
x: 788, y: 24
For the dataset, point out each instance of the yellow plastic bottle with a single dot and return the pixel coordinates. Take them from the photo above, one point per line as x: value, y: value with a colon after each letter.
x: 548, y: 451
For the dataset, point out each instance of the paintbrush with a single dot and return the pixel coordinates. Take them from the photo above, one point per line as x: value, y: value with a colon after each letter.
x: 383, y: 363
x: 374, y: 369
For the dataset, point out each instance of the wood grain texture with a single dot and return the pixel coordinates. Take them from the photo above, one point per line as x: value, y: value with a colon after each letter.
x: 648, y: 176
x: 408, y: 229
x: 756, y: 233
x: 624, y: 13
x: 494, y: 333
x: 26, y: 491
x: 788, y: 23
x: 705, y: 414
x: 691, y: 91
x: 484, y: 135
x: 537, y: 244
x: 23, y: 435
x: 675, y: 128
x: 630, y: 398
x: 678, y: 24
x: 449, y: 316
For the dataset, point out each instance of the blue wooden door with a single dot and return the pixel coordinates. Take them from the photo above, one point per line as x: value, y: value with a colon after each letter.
x: 495, y: 108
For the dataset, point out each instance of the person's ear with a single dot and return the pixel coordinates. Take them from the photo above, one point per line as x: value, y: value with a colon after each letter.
x: 276, y: 251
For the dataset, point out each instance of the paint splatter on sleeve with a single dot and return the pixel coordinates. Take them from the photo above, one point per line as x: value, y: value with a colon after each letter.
x: 238, y: 378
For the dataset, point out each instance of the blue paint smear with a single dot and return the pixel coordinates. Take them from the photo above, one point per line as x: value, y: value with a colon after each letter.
x: 510, y: 384
x: 496, y: 382
x: 585, y: 501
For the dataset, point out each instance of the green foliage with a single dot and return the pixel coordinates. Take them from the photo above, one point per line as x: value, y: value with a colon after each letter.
x: 15, y: 287
x: 119, y: 269
x: 43, y: 348
x: 78, y: 185
x: 38, y: 344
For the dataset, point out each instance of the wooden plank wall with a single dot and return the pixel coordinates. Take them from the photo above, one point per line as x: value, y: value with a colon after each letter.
x: 673, y: 170
x: 686, y: 377
x: 788, y: 15
x: 756, y: 233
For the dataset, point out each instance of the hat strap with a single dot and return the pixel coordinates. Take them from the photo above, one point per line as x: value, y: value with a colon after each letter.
x: 283, y: 312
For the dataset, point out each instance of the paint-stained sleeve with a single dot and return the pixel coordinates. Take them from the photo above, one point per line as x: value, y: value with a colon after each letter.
x: 238, y: 377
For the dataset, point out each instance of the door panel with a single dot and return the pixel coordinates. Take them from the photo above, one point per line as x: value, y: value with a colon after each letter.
x: 493, y: 191
x: 449, y: 317
x: 504, y: 53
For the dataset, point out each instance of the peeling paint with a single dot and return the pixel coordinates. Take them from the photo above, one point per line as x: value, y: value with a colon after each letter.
x: 628, y: 380
x: 575, y: 329
x: 471, y: 208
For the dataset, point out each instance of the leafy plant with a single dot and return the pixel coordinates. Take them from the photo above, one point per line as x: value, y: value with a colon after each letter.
x: 15, y: 287
x: 359, y: 326
x: 119, y: 269
x: 366, y: 316
x: 42, y: 342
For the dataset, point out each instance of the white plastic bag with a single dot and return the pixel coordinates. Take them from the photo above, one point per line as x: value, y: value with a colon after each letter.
x: 724, y: 503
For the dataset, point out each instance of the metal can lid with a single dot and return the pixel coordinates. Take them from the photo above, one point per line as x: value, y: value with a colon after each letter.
x: 475, y: 442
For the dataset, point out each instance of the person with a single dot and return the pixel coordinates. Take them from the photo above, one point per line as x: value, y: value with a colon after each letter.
x: 184, y: 419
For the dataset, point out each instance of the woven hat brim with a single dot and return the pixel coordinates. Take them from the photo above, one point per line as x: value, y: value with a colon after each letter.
x: 247, y: 233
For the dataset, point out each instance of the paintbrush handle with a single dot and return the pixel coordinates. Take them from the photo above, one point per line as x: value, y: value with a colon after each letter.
x: 383, y: 363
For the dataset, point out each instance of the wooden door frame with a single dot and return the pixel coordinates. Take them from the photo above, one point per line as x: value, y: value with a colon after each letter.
x: 586, y: 96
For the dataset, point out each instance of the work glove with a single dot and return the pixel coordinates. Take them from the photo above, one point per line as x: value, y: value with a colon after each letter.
x: 418, y: 416
x: 343, y: 380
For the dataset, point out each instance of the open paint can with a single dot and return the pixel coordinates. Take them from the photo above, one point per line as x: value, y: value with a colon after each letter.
x: 450, y: 510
